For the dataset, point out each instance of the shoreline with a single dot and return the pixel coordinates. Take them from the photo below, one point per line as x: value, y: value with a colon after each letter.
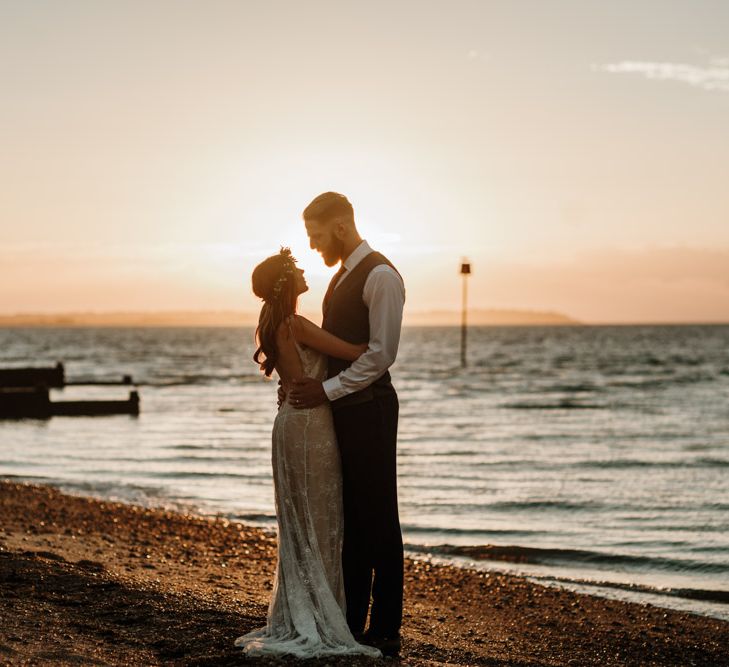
x: 509, y: 559
x: 534, y: 563
x: 114, y: 583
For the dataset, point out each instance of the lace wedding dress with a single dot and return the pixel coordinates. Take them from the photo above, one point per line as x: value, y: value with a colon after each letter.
x: 306, y: 616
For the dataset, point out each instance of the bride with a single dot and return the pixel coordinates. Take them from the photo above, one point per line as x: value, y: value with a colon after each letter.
x: 306, y: 615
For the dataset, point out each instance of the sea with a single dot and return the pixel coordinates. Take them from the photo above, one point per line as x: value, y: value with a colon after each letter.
x: 589, y: 457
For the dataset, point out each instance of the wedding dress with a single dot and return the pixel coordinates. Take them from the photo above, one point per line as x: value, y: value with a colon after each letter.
x: 306, y: 615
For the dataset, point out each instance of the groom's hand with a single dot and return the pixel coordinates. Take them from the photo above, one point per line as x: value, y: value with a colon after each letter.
x: 307, y: 393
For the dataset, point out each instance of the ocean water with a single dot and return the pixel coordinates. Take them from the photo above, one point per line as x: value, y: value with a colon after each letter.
x: 591, y: 457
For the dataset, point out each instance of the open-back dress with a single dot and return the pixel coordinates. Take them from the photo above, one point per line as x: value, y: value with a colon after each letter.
x: 306, y: 615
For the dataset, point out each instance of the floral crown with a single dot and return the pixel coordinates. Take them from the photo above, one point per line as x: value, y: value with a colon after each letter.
x: 289, y: 262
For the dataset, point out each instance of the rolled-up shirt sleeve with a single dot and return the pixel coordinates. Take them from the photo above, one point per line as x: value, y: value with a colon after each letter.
x: 384, y: 296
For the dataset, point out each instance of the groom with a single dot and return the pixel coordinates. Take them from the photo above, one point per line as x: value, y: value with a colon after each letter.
x: 363, y: 304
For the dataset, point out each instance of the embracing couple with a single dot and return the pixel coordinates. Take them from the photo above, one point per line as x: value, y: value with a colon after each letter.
x: 334, y: 440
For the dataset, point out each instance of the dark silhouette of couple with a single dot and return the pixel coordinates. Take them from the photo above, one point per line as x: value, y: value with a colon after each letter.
x: 340, y: 552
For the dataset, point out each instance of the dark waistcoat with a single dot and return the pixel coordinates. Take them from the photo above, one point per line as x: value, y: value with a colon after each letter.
x: 346, y: 316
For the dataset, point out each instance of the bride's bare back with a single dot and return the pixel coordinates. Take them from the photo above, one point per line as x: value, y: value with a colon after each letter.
x: 298, y: 330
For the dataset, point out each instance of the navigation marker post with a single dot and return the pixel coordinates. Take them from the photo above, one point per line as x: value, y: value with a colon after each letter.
x: 465, y: 272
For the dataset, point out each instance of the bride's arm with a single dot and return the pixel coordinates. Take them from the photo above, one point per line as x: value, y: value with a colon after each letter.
x: 309, y: 334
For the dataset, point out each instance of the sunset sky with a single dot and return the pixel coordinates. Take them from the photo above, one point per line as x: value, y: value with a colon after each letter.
x: 577, y: 152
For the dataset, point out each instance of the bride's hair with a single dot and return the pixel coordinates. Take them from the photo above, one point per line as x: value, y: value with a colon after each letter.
x: 273, y: 280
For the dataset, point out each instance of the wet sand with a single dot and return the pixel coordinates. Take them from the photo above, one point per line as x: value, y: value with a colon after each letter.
x: 90, y: 582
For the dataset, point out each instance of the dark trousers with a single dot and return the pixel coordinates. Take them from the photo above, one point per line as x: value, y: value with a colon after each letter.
x: 372, y: 556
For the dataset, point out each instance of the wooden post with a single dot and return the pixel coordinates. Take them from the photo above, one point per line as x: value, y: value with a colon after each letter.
x: 465, y: 272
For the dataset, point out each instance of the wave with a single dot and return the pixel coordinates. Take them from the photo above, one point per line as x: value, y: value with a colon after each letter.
x: 206, y: 475
x: 199, y: 379
x: 576, y: 388
x: 238, y: 458
x: 551, y: 556
x: 232, y: 449
x: 25, y: 478
x: 704, y: 462
x: 699, y: 594
x: 457, y: 507
x: 258, y: 518
x: 563, y: 404
x: 433, y: 530
x: 543, y: 505
x: 663, y: 382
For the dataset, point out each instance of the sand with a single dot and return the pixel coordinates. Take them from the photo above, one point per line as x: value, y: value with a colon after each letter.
x: 101, y: 583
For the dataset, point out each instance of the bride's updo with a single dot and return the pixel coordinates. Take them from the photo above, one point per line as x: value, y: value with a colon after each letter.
x: 273, y: 280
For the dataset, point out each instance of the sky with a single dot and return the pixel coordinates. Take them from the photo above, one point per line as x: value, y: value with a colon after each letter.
x: 576, y: 152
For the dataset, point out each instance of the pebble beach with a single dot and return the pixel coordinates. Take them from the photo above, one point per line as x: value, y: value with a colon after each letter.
x: 91, y: 582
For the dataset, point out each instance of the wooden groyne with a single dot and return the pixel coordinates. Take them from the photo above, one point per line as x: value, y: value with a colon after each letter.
x: 25, y: 393
x: 35, y: 402
x: 54, y: 377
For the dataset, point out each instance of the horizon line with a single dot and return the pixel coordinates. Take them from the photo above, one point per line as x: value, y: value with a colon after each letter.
x: 493, y: 317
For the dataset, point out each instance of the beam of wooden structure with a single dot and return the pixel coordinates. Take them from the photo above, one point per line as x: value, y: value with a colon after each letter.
x: 53, y: 377
x: 91, y: 408
x: 35, y: 403
x: 31, y: 377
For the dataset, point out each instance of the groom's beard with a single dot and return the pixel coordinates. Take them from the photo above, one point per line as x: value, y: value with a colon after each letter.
x: 334, y: 252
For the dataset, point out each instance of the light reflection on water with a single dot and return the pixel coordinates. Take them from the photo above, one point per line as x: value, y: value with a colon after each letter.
x: 603, y: 439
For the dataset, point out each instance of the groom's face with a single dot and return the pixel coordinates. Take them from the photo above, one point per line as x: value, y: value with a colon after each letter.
x: 323, y: 239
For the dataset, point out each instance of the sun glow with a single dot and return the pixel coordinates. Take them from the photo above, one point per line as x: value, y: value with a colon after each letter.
x: 155, y: 166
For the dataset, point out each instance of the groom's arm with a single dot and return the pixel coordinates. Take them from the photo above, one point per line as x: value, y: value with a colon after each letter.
x: 384, y: 295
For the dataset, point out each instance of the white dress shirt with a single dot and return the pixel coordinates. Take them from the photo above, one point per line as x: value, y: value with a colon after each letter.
x: 384, y: 296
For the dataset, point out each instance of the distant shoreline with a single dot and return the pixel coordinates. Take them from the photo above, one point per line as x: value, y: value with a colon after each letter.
x: 476, y: 317
x: 222, y: 319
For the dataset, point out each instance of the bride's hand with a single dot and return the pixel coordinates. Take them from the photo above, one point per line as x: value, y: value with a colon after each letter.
x: 281, y: 394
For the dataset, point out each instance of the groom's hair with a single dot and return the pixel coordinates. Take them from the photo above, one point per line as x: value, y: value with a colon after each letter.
x: 329, y: 206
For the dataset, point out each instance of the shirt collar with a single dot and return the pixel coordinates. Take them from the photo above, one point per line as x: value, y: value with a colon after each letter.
x: 358, y: 254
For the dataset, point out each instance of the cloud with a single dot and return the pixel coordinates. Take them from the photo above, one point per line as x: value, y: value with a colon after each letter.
x: 715, y: 77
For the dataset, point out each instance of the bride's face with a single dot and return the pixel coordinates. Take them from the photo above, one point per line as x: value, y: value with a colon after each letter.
x: 299, y: 281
